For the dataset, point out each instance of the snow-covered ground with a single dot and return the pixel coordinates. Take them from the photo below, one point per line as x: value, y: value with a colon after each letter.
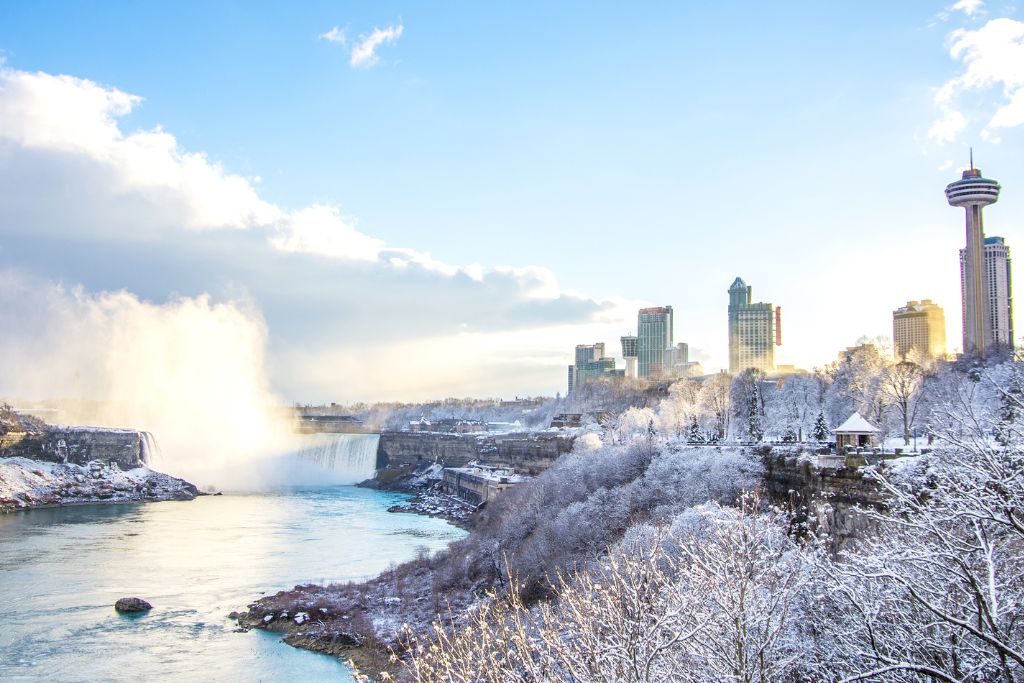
x: 28, y: 483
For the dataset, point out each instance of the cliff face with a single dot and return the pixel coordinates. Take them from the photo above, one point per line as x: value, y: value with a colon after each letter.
x: 527, y: 453
x: 824, y: 498
x: 77, y: 445
x: 397, y: 449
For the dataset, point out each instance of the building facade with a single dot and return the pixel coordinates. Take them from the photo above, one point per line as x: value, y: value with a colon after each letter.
x: 754, y: 330
x: 999, y: 291
x: 972, y: 193
x: 654, y: 335
x: 629, y: 345
x: 919, y: 327
x: 591, y: 362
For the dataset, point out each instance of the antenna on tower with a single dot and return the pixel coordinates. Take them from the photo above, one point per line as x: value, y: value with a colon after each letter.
x: 972, y: 158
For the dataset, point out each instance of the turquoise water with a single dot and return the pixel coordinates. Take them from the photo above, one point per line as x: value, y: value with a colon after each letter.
x: 62, y: 569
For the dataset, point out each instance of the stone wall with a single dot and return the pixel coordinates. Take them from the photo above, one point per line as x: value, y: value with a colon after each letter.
x: 78, y: 445
x: 396, y: 449
x: 526, y: 453
x: 824, y: 498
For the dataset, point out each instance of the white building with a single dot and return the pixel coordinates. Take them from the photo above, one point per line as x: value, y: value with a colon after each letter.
x: 999, y: 286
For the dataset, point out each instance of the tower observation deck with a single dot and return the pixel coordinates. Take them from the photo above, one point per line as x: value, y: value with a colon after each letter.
x: 972, y: 193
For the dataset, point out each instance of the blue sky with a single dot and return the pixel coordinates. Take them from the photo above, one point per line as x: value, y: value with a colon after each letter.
x: 635, y: 155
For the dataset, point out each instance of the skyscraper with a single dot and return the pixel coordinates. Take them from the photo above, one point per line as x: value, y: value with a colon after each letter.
x: 920, y: 326
x: 590, y: 364
x: 972, y: 193
x: 629, y: 357
x: 999, y: 288
x: 654, y: 335
x: 754, y: 330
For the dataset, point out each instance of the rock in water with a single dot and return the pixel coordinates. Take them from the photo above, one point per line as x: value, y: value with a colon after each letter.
x: 132, y: 605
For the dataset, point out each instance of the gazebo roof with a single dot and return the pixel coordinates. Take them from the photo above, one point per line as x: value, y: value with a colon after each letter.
x: 855, y: 424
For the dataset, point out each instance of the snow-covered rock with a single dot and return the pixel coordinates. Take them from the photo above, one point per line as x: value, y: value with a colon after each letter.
x: 28, y: 483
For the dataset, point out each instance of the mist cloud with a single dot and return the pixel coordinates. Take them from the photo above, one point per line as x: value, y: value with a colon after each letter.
x: 191, y: 371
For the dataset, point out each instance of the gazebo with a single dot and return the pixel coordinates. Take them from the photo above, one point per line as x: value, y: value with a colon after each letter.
x: 856, y: 432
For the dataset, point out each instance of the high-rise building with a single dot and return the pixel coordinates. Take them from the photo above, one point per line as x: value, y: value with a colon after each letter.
x: 972, y: 193
x: 919, y: 326
x: 629, y: 357
x: 754, y: 330
x: 594, y: 369
x: 590, y: 363
x: 675, y: 358
x: 999, y: 288
x: 585, y: 353
x: 654, y: 335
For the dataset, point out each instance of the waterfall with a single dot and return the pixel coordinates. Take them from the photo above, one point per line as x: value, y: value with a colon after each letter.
x: 149, y: 449
x: 338, y: 458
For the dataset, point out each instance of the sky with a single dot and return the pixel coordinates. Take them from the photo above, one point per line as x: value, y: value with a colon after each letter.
x: 407, y: 201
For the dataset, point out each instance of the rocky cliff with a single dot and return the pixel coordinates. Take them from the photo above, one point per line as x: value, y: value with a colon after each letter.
x: 398, y: 449
x: 78, y: 446
x: 826, y: 499
x: 527, y: 452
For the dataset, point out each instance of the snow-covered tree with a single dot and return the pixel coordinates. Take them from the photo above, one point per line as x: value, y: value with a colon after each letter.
x: 938, y: 592
x: 717, y: 597
x: 856, y: 385
x: 821, y: 430
x: 716, y: 403
x: 902, y: 385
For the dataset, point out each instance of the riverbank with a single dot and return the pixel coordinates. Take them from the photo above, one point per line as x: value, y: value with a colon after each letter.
x: 423, y: 483
x: 28, y: 484
x: 360, y: 622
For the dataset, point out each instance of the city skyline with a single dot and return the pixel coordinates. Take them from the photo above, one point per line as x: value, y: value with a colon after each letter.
x: 361, y: 200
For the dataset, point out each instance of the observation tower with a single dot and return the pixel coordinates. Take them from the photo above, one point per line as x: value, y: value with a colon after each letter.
x: 972, y: 193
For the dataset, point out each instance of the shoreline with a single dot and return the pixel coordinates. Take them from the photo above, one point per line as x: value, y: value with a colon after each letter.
x: 427, y: 498
x: 27, y: 484
x: 356, y: 622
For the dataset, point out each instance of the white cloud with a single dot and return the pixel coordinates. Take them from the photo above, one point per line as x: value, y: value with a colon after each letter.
x: 947, y: 128
x: 78, y: 117
x: 993, y: 56
x: 322, y: 230
x: 335, y: 35
x: 133, y: 210
x: 945, y: 165
x: 364, y: 53
x: 968, y: 7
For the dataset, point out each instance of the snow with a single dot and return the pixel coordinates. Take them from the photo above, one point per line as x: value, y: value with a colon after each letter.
x: 855, y: 424
x: 28, y: 483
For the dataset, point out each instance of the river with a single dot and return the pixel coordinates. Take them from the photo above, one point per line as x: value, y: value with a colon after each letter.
x: 62, y: 569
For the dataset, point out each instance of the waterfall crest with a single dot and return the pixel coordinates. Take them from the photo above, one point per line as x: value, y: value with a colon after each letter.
x: 340, y: 458
x: 149, y: 449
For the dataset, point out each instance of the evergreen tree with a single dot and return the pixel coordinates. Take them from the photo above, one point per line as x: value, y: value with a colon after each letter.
x: 821, y: 429
x: 754, y: 427
x: 695, y: 434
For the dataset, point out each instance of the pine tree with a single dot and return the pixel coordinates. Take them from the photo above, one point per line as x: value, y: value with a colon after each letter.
x: 821, y: 429
x: 754, y: 418
x: 695, y: 434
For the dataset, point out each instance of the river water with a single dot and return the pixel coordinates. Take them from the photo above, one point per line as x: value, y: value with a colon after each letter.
x: 61, y: 570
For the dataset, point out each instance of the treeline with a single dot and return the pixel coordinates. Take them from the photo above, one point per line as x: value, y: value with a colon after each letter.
x: 692, y: 588
x: 898, y: 397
